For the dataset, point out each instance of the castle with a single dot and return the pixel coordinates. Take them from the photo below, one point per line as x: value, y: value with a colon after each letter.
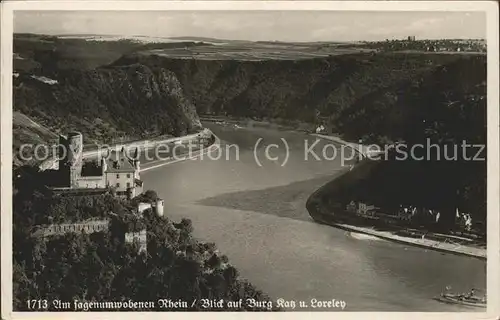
x: 116, y: 170
x: 89, y: 226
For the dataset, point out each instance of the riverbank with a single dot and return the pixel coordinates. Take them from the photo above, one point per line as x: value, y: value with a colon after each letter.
x: 140, y: 145
x: 447, y: 246
x: 190, y: 156
x: 299, y: 126
x: 362, y: 150
x: 440, y: 246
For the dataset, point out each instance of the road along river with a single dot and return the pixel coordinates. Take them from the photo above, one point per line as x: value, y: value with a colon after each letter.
x: 256, y: 215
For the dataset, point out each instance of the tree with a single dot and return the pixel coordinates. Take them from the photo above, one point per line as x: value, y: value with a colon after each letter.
x: 151, y: 195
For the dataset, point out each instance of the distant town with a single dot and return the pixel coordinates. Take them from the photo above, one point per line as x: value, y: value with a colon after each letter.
x: 414, y: 44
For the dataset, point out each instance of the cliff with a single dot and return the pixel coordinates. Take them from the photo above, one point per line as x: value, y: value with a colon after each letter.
x: 147, y: 102
x: 357, y: 95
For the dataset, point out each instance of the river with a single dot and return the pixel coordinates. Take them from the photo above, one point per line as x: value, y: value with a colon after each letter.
x: 257, y: 217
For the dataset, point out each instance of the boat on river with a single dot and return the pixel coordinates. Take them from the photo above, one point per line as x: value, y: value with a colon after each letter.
x: 463, y: 299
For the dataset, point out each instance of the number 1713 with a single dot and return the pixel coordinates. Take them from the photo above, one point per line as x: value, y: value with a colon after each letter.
x: 37, y: 304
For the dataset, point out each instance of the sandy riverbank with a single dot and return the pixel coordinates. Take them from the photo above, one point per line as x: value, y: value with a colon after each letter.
x: 449, y: 247
x: 423, y: 243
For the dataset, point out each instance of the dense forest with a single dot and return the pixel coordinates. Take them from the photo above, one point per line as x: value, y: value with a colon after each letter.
x: 149, y: 103
x: 101, y: 267
x: 355, y: 95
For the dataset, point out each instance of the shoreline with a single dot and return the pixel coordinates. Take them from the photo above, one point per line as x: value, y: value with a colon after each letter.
x: 434, y: 245
x: 363, y: 152
x: 140, y: 144
x: 430, y: 244
x: 212, y: 147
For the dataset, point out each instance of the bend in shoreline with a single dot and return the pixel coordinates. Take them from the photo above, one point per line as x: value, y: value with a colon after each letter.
x: 315, y: 207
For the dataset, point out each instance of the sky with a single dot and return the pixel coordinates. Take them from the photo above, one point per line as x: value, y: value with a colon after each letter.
x: 258, y: 25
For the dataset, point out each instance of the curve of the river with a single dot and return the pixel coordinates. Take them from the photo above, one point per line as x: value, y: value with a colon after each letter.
x: 257, y: 216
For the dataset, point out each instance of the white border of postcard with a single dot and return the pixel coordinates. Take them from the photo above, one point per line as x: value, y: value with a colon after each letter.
x: 489, y: 7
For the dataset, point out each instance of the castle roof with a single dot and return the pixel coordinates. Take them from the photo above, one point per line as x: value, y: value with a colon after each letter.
x: 119, y: 162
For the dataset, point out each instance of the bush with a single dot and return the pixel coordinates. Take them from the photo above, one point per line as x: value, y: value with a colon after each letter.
x: 150, y: 195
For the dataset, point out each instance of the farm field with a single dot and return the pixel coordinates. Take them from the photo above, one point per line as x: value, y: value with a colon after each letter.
x: 257, y: 51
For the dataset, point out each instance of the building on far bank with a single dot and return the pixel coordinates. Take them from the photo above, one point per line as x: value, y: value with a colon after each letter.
x: 321, y: 129
x: 361, y: 208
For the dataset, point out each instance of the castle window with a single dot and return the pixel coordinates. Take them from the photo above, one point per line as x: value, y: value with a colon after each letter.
x: 128, y: 175
x: 118, y: 185
x: 128, y: 184
x: 118, y: 176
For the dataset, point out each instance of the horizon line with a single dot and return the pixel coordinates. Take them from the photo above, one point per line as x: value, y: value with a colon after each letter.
x: 222, y: 39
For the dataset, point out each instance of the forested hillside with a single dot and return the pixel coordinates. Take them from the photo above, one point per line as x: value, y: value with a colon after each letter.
x: 149, y: 103
x: 356, y: 95
x: 65, y: 85
x: 102, y: 267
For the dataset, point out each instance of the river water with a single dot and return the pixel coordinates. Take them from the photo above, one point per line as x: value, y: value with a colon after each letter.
x: 257, y: 217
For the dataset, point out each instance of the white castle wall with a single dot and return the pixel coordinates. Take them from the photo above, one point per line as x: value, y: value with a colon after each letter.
x: 89, y: 226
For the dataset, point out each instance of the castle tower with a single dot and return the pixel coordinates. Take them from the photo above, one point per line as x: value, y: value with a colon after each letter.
x: 159, y: 207
x: 137, y: 163
x: 70, y: 158
x: 104, y: 166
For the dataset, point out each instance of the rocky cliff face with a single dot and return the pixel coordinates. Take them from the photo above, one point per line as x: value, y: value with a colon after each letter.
x: 356, y: 95
x: 129, y: 101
